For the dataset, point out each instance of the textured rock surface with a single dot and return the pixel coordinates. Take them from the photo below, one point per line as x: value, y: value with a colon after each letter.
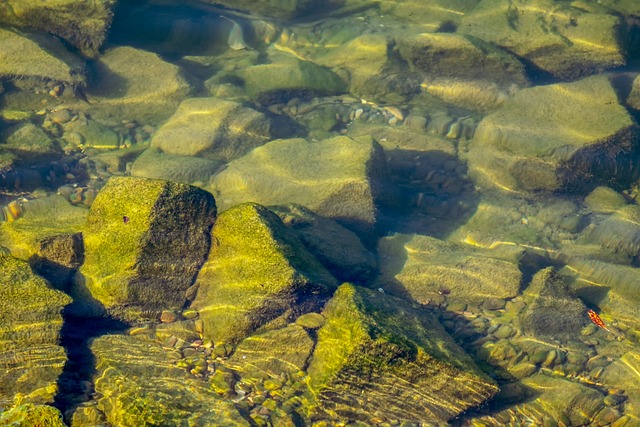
x: 144, y: 242
x: 565, y: 41
x: 82, y: 23
x: 256, y: 271
x: 336, y: 178
x: 140, y: 386
x: 564, y: 136
x: 425, y: 267
x: 337, y: 248
x: 32, y: 415
x: 133, y: 84
x: 30, y: 322
x: 41, y: 57
x: 218, y: 129
x: 153, y: 163
x: 381, y: 355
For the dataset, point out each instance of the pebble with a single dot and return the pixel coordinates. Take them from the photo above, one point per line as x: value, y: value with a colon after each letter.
x: 60, y: 116
x: 168, y: 316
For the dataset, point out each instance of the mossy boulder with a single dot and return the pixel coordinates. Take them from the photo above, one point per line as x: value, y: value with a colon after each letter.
x: 566, y: 41
x: 133, y: 84
x: 145, y: 241
x: 337, y: 248
x: 287, y: 77
x: 153, y: 163
x: 219, y: 130
x: 426, y: 267
x: 256, y: 271
x: 30, y: 326
x: 138, y: 385
x: 32, y: 415
x: 82, y: 23
x: 338, y: 178
x: 552, y: 312
x: 566, y: 136
x: 31, y: 145
x: 41, y: 58
x: 378, y: 354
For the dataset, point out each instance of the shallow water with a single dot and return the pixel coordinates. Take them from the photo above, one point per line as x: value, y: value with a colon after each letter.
x: 478, y: 160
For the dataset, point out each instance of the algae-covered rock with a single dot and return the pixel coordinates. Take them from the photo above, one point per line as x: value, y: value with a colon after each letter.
x: 337, y: 178
x: 619, y: 232
x: 58, y: 258
x: 288, y: 77
x: 624, y: 375
x: 565, y: 402
x: 32, y: 415
x: 428, y: 15
x: 425, y: 267
x: 281, y: 9
x: 42, y: 219
x: 552, y: 312
x: 378, y: 354
x: 30, y: 323
x: 139, y: 386
x: 256, y: 271
x: 275, y: 353
x: 562, y: 137
x: 30, y: 144
x: 144, y: 242
x: 153, y: 163
x: 82, y: 23
x: 564, y: 40
x: 133, y: 84
x: 337, y: 248
x: 24, y: 55
x: 604, y: 200
x: 218, y: 129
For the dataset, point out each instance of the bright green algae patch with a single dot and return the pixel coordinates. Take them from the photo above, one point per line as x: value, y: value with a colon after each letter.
x: 256, y: 272
x: 32, y: 415
x: 145, y: 240
x: 409, y: 366
x: 30, y: 322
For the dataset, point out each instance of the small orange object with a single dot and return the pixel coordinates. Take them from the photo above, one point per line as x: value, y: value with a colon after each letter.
x: 597, y: 320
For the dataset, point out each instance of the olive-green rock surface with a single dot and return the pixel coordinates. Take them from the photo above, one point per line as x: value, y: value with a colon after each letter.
x: 133, y: 84
x: 144, y: 242
x: 566, y: 41
x: 281, y: 9
x: 41, y: 57
x: 379, y: 354
x: 139, y: 386
x: 565, y: 402
x: 337, y: 178
x: 562, y: 136
x: 82, y: 23
x: 620, y: 232
x: 42, y: 219
x: 153, y: 163
x: 218, y: 129
x: 287, y: 77
x: 425, y: 267
x: 337, y: 248
x: 31, y: 144
x: 28, y: 415
x: 624, y: 375
x: 552, y: 312
x: 256, y: 271
x: 30, y: 323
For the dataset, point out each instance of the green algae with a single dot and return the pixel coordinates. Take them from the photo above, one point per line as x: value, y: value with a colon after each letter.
x: 144, y: 242
x: 256, y: 271
x: 32, y: 415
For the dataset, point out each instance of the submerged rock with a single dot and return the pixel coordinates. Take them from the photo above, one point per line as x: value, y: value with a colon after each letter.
x: 29, y: 414
x: 31, y: 358
x: 153, y: 163
x: 138, y: 385
x: 219, y: 130
x: 380, y: 355
x: 82, y: 23
x: 256, y: 271
x: 604, y: 200
x: 560, y: 137
x: 31, y: 145
x: 337, y: 178
x: 133, y: 84
x: 42, y: 58
x: 620, y: 232
x: 566, y: 40
x: 337, y: 248
x: 426, y: 268
x: 144, y: 241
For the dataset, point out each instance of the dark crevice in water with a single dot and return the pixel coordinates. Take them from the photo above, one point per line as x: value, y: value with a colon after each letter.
x: 75, y: 384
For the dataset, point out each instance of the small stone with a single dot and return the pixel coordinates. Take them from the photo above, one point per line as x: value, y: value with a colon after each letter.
x: 310, y: 320
x: 505, y: 331
x: 494, y: 304
x: 199, y: 325
x: 60, y: 116
x: 551, y: 358
x: 168, y: 316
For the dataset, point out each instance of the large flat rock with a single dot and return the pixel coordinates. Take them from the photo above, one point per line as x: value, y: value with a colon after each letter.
x: 566, y: 136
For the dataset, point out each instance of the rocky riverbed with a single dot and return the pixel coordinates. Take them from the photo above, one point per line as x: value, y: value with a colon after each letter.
x: 292, y: 213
